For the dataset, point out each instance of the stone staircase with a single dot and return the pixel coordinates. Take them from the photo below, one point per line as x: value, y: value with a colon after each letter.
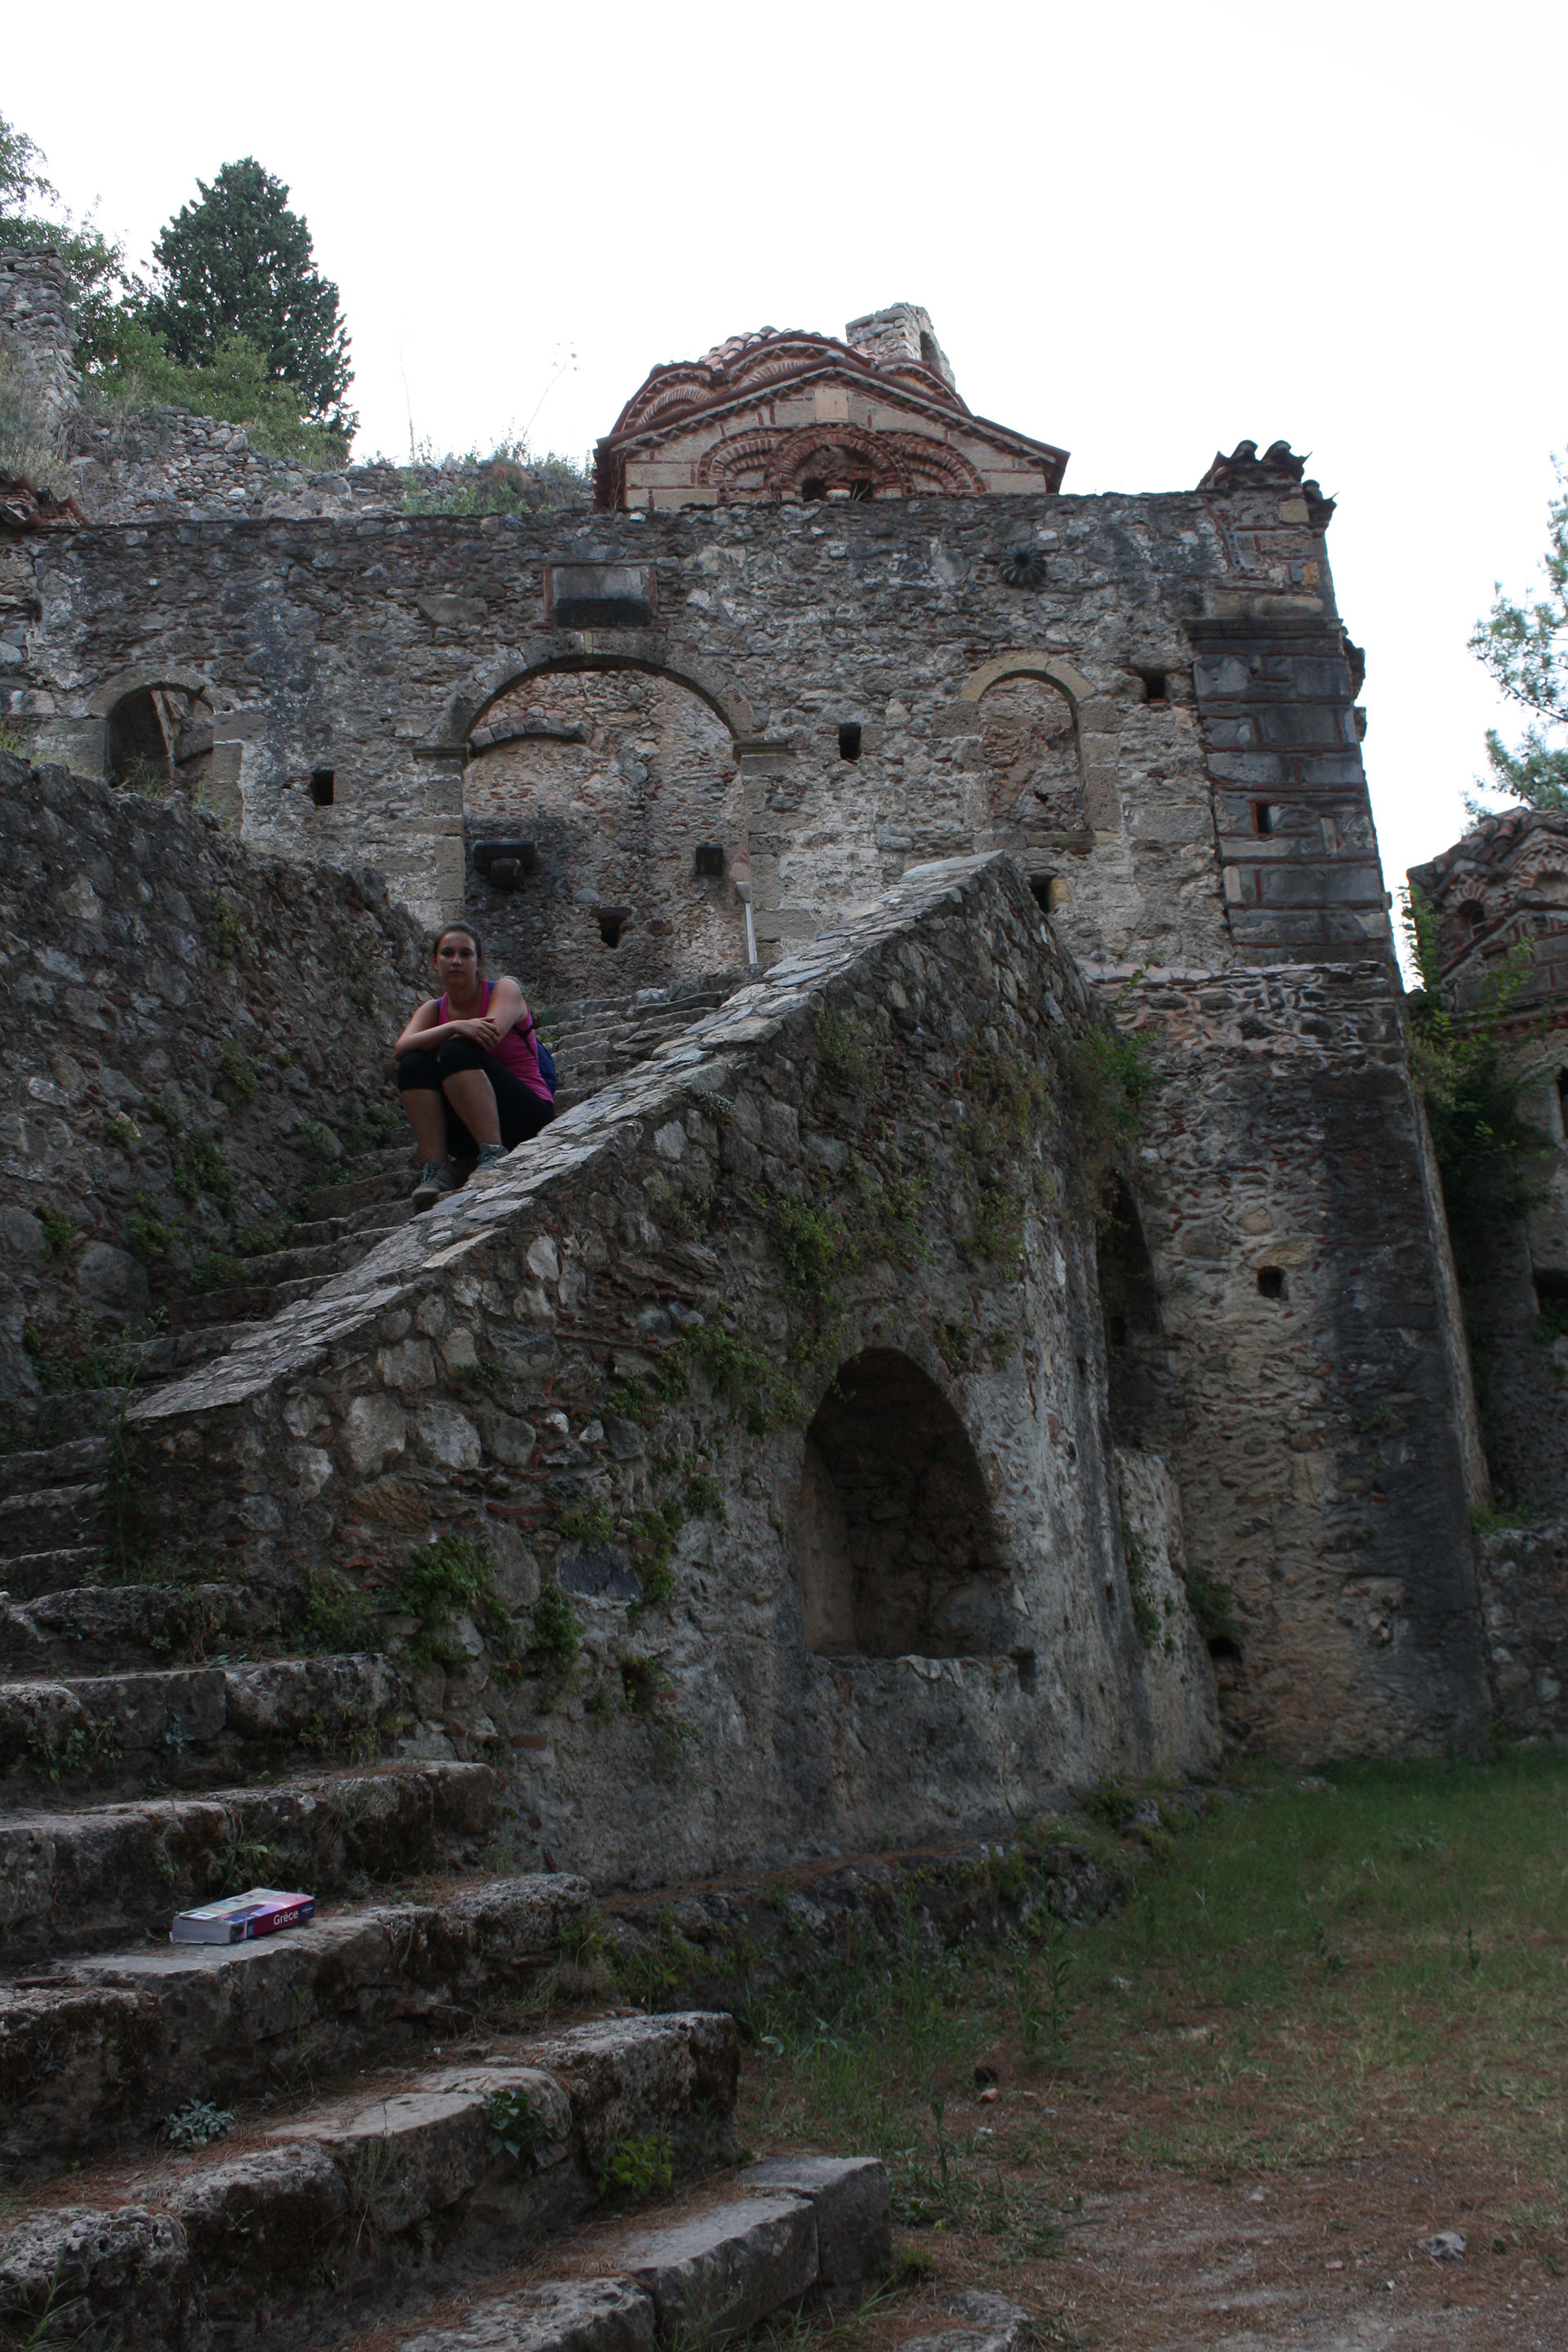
x: 390, y: 2123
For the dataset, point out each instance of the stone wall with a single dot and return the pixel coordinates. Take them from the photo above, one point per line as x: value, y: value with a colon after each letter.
x: 1524, y: 1596
x: 193, y: 1034
x: 1295, y: 1354
x: 607, y: 1362
x: 36, y: 327
x: 848, y: 652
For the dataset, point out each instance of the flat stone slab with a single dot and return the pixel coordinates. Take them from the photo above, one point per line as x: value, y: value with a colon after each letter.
x: 854, y: 2214
x: 725, y: 2271
x: 576, y: 2316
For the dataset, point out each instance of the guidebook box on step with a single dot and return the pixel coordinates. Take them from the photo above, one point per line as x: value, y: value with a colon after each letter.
x: 262, y: 1912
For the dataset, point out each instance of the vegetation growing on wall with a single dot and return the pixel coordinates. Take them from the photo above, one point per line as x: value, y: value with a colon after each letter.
x: 1483, y: 1145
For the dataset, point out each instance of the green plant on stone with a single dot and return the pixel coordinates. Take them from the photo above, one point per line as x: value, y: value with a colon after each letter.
x: 333, y: 1615
x: 638, y: 2166
x: 1213, y: 1605
x: 519, y: 2128
x: 85, y: 1747
x: 1107, y: 1078
x: 227, y: 933
x: 196, y: 1162
x: 237, y: 1080
x: 321, y: 1144
x: 240, y: 1863
x: 585, y: 1523
x: 1145, y: 1616
x: 60, y: 1237
x: 854, y: 1057
x: 196, y: 2123
x: 147, y: 1238
x: 554, y: 1634
x: 449, y: 1576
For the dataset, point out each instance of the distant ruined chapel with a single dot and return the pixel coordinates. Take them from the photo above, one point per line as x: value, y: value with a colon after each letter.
x: 821, y: 632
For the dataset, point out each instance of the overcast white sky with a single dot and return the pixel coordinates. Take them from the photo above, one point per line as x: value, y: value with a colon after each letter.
x: 1142, y: 232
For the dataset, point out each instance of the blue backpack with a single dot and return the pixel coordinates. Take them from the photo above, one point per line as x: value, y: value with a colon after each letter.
x: 546, y: 1058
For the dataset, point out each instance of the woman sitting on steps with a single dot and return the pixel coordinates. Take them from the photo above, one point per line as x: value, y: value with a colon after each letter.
x: 468, y: 1069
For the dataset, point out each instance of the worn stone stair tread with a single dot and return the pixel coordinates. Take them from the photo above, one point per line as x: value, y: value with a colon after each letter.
x: 31, y: 1573
x: 69, y: 1621
x: 44, y: 1468
x: 71, y: 1882
x: 121, y: 2038
x: 141, y: 2241
x: 728, y: 2257
x: 161, y: 1712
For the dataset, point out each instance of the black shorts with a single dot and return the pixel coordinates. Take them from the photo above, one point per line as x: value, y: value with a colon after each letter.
x: 522, y: 1113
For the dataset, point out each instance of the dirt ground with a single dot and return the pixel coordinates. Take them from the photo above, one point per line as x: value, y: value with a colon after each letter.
x: 1326, y: 2256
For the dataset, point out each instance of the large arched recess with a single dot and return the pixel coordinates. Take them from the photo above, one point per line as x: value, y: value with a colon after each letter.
x: 616, y: 777
x: 158, y: 725
x: 899, y: 1551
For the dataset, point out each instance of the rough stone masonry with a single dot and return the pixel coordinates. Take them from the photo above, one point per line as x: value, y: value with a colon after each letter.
x: 620, y: 736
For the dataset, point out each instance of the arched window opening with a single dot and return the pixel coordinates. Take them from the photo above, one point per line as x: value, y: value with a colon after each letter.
x: 1472, y: 914
x: 1033, y: 789
x: 899, y: 1550
x: 1129, y: 1304
x: 622, y: 786
x: 158, y: 737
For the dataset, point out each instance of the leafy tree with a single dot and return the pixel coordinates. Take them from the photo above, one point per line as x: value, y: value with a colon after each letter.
x: 240, y: 263
x: 94, y: 266
x: 234, y: 384
x: 1525, y: 649
x: 1483, y: 1146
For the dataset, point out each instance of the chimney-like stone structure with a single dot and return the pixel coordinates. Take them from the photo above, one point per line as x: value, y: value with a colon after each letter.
x: 902, y: 332
x: 37, y: 326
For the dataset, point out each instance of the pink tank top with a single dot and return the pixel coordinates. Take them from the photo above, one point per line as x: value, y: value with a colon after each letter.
x: 517, y: 1052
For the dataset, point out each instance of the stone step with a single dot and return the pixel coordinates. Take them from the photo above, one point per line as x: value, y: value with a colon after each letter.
x: 704, y: 2269
x: 66, y: 1464
x: 97, y: 2052
x: 189, y: 1727
x: 178, y: 1352
x: 386, y: 1184
x: 83, y: 1626
x: 395, y: 2198
x: 26, y: 1574
x: 77, y: 1882
x: 52, y: 1519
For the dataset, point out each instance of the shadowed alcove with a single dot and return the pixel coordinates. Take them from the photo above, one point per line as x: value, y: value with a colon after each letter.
x: 899, y: 1553
x: 1129, y: 1302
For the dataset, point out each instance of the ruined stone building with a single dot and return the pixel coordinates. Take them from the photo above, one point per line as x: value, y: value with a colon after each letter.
x: 874, y: 1392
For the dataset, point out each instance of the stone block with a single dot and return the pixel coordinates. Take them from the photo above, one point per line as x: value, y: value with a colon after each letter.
x: 854, y: 2217
x: 568, y: 2316
x: 724, y: 2272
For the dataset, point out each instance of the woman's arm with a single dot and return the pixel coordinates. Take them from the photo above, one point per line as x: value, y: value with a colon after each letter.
x: 506, y: 1008
x: 424, y: 1030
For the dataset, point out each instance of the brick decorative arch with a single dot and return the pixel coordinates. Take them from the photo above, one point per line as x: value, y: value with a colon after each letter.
x: 638, y: 650
x: 1060, y: 674
x: 895, y: 461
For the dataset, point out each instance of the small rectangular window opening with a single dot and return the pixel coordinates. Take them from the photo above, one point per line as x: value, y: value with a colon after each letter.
x: 1562, y: 1102
x: 708, y: 858
x: 1262, y: 816
x: 849, y: 743
x: 1156, y: 685
x: 1271, y: 1281
x: 322, y: 783
x: 1119, y: 1330
x: 613, y: 922
x: 1040, y: 890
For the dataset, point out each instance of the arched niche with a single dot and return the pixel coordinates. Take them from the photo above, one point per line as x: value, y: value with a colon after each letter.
x: 900, y: 1554
x: 1033, y: 778
x: 619, y: 784
x: 1094, y: 740
x: 159, y: 736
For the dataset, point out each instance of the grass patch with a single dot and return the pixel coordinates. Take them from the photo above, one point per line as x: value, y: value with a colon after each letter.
x: 1326, y: 1968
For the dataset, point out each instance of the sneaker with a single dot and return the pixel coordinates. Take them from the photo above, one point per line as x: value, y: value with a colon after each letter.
x: 490, y: 1153
x: 440, y: 1176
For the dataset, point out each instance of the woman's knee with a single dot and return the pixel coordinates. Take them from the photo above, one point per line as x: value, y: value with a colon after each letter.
x: 457, y: 1054
x: 418, y: 1073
